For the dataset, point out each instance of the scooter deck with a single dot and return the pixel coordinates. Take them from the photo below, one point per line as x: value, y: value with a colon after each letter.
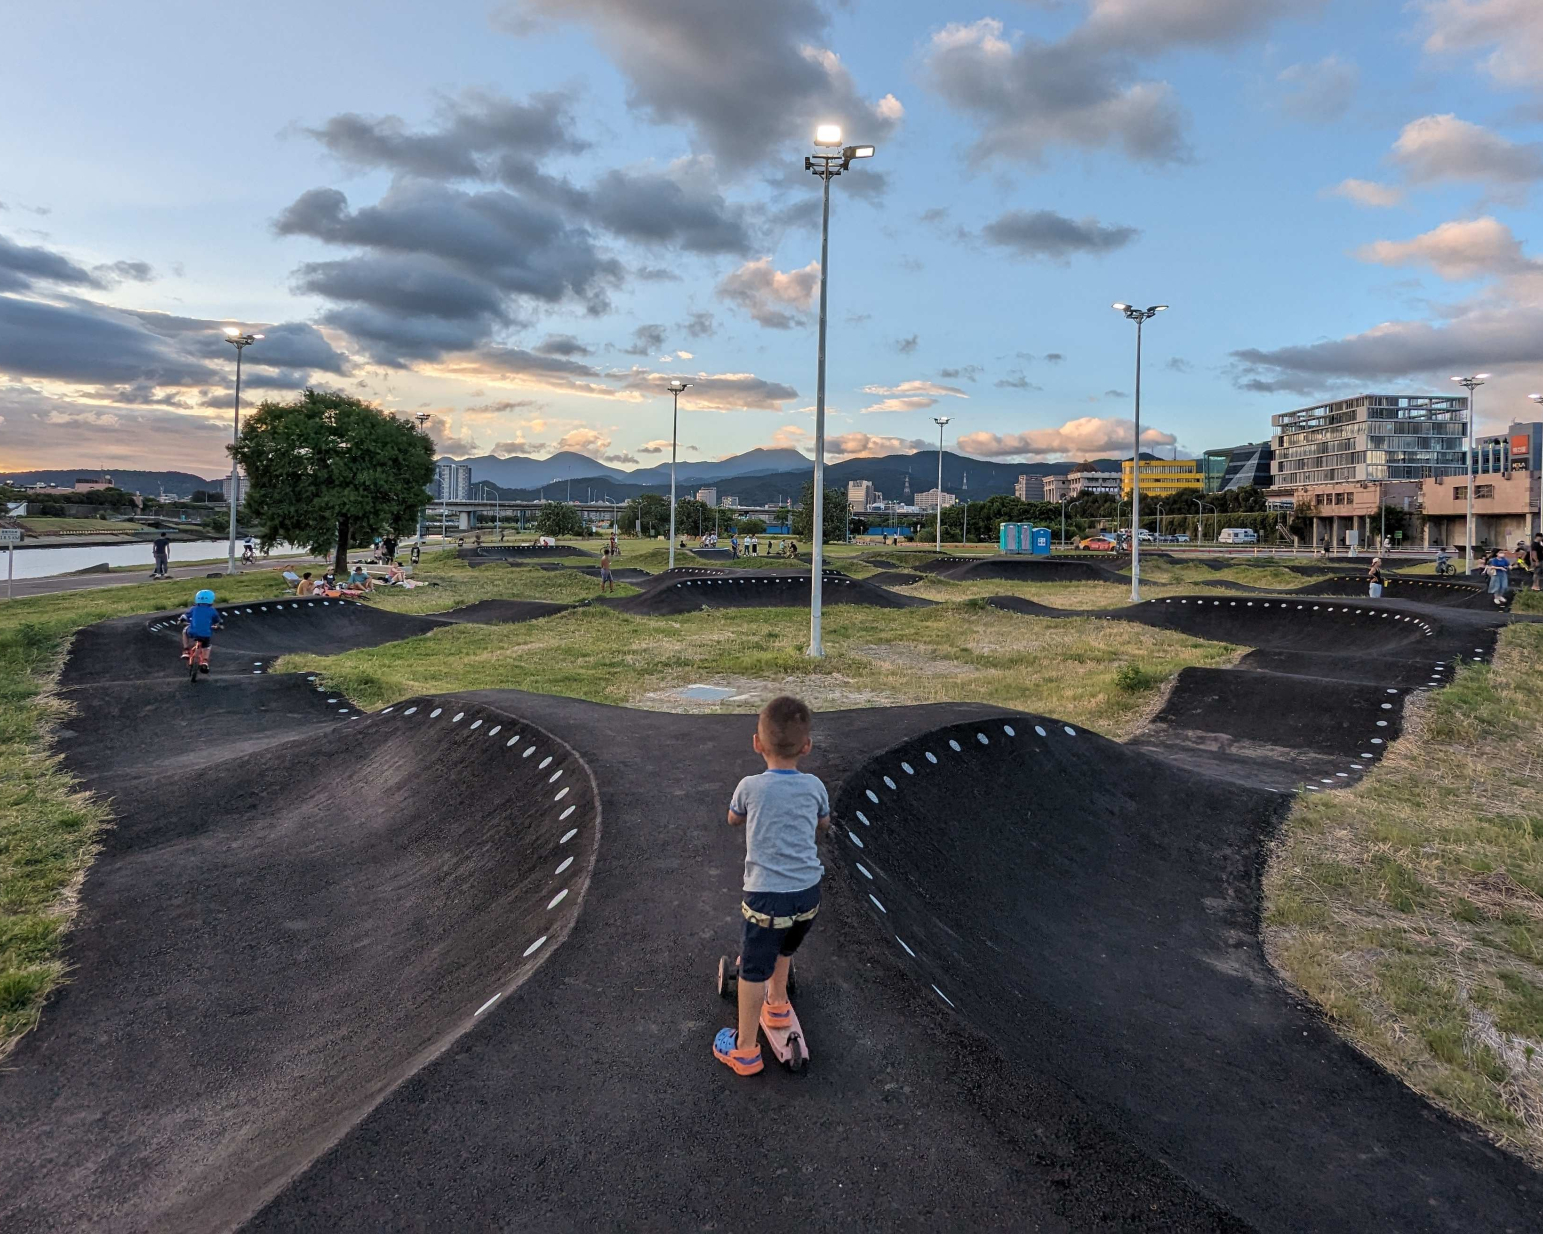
x: 781, y: 1041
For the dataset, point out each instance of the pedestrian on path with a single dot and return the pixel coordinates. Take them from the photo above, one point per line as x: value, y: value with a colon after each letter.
x: 607, y: 583
x: 161, y: 549
x: 1498, y: 568
x: 1374, y: 579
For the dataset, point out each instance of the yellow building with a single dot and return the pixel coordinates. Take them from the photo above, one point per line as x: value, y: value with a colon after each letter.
x: 1161, y: 477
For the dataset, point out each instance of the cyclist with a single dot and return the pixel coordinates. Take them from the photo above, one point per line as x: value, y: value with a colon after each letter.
x: 202, y: 620
x: 248, y: 552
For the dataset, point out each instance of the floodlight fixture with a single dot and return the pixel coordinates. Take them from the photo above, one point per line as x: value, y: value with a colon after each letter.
x: 827, y: 135
x: 857, y: 152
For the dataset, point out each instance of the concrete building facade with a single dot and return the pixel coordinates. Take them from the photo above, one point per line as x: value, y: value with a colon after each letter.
x: 1161, y: 477
x: 707, y: 496
x: 1031, y: 488
x: 452, y: 482
x: 932, y: 497
x: 1370, y: 437
x: 1335, y: 510
x: 1505, y: 509
x: 1087, y: 483
x: 861, y: 494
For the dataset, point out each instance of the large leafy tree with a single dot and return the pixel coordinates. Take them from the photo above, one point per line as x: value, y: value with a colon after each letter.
x: 330, y: 471
x: 646, y: 516
x: 558, y: 518
x: 835, y: 518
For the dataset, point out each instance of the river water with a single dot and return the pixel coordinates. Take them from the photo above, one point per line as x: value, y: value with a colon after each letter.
x: 66, y: 559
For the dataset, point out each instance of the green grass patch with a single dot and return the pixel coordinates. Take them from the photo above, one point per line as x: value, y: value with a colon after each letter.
x: 48, y: 828
x: 77, y: 526
x: 1411, y: 907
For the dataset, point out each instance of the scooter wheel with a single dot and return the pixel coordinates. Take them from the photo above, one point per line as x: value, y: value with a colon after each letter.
x: 728, y: 977
x: 796, y: 1059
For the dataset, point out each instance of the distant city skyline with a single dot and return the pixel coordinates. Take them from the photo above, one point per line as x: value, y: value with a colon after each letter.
x: 524, y: 218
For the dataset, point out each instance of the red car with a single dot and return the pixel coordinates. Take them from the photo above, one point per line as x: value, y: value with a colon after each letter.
x: 1099, y: 544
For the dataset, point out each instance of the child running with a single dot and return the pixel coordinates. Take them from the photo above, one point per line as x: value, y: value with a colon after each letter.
x: 203, y: 619
x: 782, y: 810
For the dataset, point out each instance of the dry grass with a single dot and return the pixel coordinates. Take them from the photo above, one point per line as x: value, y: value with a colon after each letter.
x: 958, y: 652
x: 1411, y: 907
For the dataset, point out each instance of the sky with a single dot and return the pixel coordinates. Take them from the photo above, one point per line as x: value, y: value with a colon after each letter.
x: 524, y: 217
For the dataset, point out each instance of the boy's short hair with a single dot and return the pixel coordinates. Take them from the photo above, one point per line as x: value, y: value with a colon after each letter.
x: 307, y: 574
x: 784, y: 724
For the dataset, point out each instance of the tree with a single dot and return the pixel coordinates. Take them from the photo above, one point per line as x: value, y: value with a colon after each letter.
x: 750, y: 526
x: 835, y: 515
x: 330, y: 471
x: 692, y: 517
x: 647, y: 515
x: 558, y: 518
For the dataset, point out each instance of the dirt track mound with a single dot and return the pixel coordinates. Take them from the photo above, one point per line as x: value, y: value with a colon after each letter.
x: 1405, y: 587
x: 273, y: 940
x: 1093, y: 911
x: 526, y: 551
x: 751, y: 590
x: 1023, y: 569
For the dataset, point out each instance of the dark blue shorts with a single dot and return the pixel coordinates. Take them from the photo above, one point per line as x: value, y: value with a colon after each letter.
x: 762, y: 942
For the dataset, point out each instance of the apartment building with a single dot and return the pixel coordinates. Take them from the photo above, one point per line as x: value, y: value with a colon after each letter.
x: 707, y: 496
x: 932, y: 497
x: 1031, y: 488
x: 861, y: 494
x: 1370, y: 437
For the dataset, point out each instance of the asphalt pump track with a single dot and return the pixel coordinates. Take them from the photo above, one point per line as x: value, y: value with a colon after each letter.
x: 332, y: 969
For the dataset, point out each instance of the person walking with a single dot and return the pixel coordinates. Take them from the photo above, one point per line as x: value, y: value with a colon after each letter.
x: 1374, y: 579
x: 160, y: 549
x: 1537, y: 561
x: 1498, y: 568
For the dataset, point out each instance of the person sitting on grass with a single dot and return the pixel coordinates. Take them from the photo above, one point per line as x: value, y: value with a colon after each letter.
x: 360, y: 578
x: 782, y: 811
x: 306, y: 585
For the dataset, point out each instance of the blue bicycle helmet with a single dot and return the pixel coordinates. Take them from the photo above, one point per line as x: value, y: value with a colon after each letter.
x: 204, y: 597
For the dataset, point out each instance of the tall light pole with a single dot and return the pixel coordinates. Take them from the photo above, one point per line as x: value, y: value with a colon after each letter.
x: 1140, y: 317
x: 1536, y: 398
x: 675, y: 388
x: 940, y: 421
x: 832, y: 159
x: 1470, y: 384
x: 423, y: 418
x: 1064, y: 500
x: 240, y: 342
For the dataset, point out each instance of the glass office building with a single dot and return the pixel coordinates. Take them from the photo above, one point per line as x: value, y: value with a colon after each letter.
x: 1371, y: 437
x: 1237, y: 467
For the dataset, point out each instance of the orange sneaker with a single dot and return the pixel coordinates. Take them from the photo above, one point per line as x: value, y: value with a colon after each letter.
x: 726, y: 1051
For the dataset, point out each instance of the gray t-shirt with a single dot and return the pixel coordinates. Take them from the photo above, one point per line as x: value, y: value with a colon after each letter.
x: 781, y: 809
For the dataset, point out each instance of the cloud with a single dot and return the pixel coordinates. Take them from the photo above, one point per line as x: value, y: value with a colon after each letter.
x: 1029, y: 95
x: 521, y: 448
x: 1463, y: 249
x: 1054, y: 357
x: 969, y: 372
x: 22, y: 265
x: 447, y: 440
x: 864, y: 445
x: 1367, y: 193
x: 700, y: 325
x: 562, y: 345
x: 1178, y: 364
x: 93, y: 344
x: 479, y: 136
x: 679, y: 206
x: 646, y: 340
x: 906, y: 346
x: 1159, y: 24
x: 768, y: 294
x: 1015, y: 381
x: 750, y: 78
x: 442, y: 268
x: 715, y: 391
x: 51, y: 430
x: 654, y: 447
x: 1044, y: 233
x: 1513, y: 29
x: 1436, y: 149
x: 584, y: 441
x: 911, y: 396
x: 1480, y: 337
x: 1318, y: 93
x: 1086, y: 437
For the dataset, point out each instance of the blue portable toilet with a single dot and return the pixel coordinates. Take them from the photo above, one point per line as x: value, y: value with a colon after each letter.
x: 1009, y: 538
x: 1040, y: 539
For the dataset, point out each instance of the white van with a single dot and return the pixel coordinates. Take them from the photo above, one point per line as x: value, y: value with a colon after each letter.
x: 1238, y: 535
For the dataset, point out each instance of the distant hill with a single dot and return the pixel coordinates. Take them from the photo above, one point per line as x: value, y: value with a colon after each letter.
x: 146, y: 483
x: 972, y: 477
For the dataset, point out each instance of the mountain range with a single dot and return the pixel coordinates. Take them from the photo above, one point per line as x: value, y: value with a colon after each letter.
x: 757, y: 477
x: 147, y: 483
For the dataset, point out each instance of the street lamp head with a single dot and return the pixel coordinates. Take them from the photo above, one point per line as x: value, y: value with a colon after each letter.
x: 1120, y: 306
x: 827, y: 135
x: 677, y: 385
x: 1536, y: 398
x: 857, y: 152
x: 940, y: 421
x: 1157, y: 308
x: 231, y: 330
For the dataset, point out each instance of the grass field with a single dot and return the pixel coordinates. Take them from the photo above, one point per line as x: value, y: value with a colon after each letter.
x: 1411, y: 907
x: 48, y: 828
x: 77, y: 527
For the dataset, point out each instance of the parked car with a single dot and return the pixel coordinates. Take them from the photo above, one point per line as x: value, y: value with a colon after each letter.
x: 1098, y: 544
x: 1181, y: 538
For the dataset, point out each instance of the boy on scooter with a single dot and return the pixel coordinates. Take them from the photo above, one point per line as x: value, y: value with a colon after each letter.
x: 782, y: 810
